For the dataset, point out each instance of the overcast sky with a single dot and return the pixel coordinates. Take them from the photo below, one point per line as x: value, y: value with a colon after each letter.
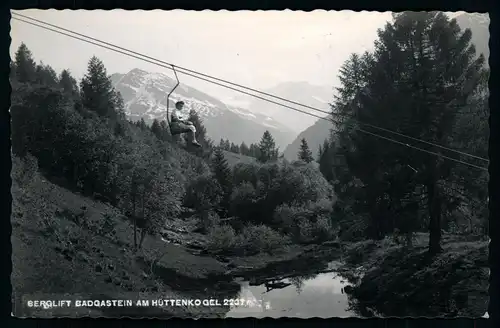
x: 256, y: 48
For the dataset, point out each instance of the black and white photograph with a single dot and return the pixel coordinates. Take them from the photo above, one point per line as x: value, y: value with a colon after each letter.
x: 233, y: 164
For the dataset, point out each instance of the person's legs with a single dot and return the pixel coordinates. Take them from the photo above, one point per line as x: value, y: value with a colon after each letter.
x: 178, y: 128
x: 192, y: 130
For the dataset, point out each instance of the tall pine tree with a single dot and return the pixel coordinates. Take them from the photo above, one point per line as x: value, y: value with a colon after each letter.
x: 326, y: 160
x: 46, y: 75
x: 156, y: 129
x: 305, y: 153
x: 68, y: 83
x: 97, y: 92
x: 25, y: 65
x: 244, y: 150
x: 267, y: 148
x: 223, y: 175
x: 423, y: 70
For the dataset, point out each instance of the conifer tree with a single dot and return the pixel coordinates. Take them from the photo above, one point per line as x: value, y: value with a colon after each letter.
x: 96, y: 89
x: 68, y: 83
x: 267, y: 148
x: 45, y: 75
x: 223, y: 175
x: 142, y: 124
x: 244, y: 150
x: 305, y: 153
x: 25, y: 65
x: 156, y: 129
x: 424, y: 69
x: 12, y: 73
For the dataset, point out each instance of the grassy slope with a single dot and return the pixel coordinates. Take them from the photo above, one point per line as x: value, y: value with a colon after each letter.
x: 53, y: 254
x: 233, y: 159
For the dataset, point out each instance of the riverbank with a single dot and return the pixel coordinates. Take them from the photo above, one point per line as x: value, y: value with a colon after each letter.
x: 398, y: 281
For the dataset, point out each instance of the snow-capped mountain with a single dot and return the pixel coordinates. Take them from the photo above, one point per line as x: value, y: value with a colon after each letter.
x: 299, y: 92
x: 144, y: 94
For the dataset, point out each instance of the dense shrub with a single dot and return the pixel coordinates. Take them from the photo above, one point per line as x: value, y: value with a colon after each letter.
x: 261, y: 189
x: 315, y: 231
x: 244, y: 201
x: 203, y: 193
x: 245, y: 172
x: 222, y: 239
x: 353, y: 228
x: 208, y: 220
x: 261, y: 238
x: 24, y: 170
x: 306, y: 223
x: 253, y: 239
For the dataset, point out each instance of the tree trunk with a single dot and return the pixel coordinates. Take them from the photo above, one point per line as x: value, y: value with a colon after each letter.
x: 203, y: 213
x: 143, y: 204
x: 135, y: 222
x: 75, y: 174
x: 142, y: 218
x: 434, y: 207
x: 143, y: 234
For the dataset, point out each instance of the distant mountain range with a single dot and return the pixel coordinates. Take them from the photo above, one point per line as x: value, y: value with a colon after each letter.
x: 320, y: 130
x: 300, y: 92
x: 144, y: 94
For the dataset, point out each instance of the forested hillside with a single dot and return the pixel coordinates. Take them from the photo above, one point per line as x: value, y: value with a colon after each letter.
x: 93, y: 193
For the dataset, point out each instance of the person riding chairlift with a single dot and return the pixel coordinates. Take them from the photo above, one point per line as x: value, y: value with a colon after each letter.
x: 180, y: 125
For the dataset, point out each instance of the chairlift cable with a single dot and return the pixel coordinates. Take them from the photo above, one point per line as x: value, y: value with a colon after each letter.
x: 257, y: 91
x: 171, y: 66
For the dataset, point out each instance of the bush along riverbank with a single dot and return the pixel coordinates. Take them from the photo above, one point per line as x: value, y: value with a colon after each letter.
x: 396, y: 280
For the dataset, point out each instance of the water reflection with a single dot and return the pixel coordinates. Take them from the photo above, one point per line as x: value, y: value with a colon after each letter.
x: 315, y: 295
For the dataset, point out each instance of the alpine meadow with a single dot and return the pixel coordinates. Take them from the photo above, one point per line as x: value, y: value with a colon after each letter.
x: 378, y: 208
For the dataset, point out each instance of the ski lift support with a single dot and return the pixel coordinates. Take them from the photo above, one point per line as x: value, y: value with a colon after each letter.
x: 172, y: 131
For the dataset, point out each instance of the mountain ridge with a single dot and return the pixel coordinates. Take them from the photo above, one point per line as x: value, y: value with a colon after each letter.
x: 301, y: 92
